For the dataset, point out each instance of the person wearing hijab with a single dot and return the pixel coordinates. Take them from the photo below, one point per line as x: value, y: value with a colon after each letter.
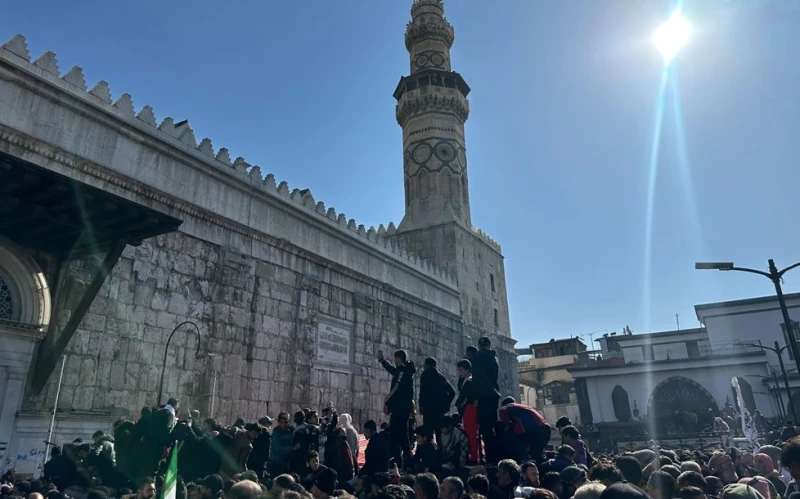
x: 766, y: 468
x: 346, y: 422
x: 760, y: 484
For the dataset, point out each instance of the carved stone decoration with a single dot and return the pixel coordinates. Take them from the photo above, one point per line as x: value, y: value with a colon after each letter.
x: 101, y: 91
x: 47, y: 61
x: 125, y: 105
x: 434, y: 59
x: 439, y: 29
x: 413, y: 106
x: 434, y: 154
x: 75, y: 77
x: 18, y: 46
x: 622, y: 405
x: 147, y: 115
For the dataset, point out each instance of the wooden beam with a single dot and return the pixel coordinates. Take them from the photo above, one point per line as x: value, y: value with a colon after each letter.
x: 48, y: 356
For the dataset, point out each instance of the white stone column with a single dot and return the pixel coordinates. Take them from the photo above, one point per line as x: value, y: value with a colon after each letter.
x: 12, y: 398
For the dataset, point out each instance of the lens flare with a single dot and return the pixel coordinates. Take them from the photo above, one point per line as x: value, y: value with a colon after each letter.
x: 672, y: 36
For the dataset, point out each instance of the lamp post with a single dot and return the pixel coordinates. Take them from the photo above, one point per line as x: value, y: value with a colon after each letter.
x: 196, y: 332
x: 777, y: 350
x: 775, y: 276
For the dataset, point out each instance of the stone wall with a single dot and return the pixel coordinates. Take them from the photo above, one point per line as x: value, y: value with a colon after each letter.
x: 258, y: 320
x: 258, y: 266
x: 476, y: 261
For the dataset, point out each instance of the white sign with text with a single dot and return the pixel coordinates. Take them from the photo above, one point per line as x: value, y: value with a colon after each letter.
x: 334, y: 340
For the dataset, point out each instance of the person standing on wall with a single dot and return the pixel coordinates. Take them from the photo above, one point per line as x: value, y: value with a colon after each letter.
x: 398, y: 403
x: 484, y: 376
x: 435, y: 396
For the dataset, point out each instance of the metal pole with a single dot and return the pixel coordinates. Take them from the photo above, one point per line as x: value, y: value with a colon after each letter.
x: 778, y: 397
x: 786, y: 381
x: 776, y: 280
x: 213, y: 393
x: 55, y: 408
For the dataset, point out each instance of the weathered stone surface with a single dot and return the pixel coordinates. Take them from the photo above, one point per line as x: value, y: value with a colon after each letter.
x: 258, y: 268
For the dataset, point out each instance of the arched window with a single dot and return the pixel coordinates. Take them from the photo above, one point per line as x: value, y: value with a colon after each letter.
x: 6, y: 300
x: 24, y: 294
x: 622, y: 406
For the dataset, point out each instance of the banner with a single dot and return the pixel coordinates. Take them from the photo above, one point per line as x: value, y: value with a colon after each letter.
x: 748, y: 423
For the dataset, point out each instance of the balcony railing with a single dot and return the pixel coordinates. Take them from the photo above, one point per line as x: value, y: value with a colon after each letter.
x: 702, y: 351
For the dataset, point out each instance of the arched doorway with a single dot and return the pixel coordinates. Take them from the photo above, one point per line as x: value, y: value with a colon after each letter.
x: 678, y: 404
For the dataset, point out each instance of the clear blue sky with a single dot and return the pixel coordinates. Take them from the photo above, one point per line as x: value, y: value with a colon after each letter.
x: 559, y: 137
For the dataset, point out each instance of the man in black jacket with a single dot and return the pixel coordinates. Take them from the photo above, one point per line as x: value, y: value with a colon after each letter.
x: 426, y: 458
x: 435, y: 396
x: 377, y: 453
x: 398, y: 403
x: 484, y: 377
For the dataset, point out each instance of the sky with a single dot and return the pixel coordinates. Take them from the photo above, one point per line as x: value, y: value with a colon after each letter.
x: 560, y: 136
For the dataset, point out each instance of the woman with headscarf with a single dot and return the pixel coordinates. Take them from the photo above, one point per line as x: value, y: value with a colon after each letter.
x: 761, y: 485
x: 351, y: 434
x: 766, y: 468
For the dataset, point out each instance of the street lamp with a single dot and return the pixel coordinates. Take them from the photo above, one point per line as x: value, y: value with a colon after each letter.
x: 775, y: 276
x: 197, y: 355
x: 777, y: 350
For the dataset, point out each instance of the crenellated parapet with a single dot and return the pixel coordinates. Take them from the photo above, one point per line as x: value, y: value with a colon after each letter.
x: 180, y: 135
x: 488, y: 240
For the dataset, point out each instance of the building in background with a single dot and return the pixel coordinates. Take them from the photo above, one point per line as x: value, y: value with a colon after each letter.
x: 545, y: 381
x: 675, y: 382
x: 759, y: 321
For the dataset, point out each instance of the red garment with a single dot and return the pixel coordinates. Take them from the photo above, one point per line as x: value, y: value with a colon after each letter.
x: 522, y: 418
x: 348, y: 457
x: 471, y: 429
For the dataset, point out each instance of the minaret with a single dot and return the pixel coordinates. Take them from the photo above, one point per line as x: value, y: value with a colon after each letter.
x: 432, y: 108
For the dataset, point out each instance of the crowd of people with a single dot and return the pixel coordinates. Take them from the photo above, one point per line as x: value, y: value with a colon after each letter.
x: 487, y: 449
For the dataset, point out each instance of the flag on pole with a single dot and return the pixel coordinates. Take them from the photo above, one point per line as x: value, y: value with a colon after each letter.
x: 171, y: 479
x: 748, y: 424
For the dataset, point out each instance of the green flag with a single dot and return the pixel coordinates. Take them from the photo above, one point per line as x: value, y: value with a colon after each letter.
x: 171, y: 480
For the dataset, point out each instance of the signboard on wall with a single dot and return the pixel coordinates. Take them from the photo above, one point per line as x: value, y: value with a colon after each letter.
x: 334, y: 344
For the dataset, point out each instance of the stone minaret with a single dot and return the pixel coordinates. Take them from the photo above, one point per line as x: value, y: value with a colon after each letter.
x: 432, y: 108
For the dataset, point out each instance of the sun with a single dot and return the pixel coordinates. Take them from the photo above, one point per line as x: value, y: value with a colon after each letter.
x: 672, y: 36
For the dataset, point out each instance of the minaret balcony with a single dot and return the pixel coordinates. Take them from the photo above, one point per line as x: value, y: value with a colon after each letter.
x: 431, y: 78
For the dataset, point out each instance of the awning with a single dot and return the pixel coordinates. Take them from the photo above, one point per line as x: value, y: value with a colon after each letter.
x: 46, y: 211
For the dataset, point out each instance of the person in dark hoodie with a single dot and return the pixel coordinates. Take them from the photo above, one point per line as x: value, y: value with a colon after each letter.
x: 426, y: 457
x: 103, y: 457
x: 398, y: 403
x: 60, y: 470
x: 258, y: 458
x: 435, y: 396
x: 484, y: 376
x: 377, y: 454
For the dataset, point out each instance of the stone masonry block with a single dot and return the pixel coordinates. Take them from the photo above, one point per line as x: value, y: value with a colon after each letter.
x: 178, y: 304
x: 160, y: 300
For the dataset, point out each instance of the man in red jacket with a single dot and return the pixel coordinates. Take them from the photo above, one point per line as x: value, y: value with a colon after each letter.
x: 529, y: 427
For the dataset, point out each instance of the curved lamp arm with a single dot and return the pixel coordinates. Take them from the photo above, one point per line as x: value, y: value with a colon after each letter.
x: 197, y: 355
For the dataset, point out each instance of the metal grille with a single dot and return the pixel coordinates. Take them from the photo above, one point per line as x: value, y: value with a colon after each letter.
x: 6, y: 302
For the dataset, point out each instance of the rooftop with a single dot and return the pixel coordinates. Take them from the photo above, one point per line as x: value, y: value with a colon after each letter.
x: 761, y: 300
x: 677, y: 332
